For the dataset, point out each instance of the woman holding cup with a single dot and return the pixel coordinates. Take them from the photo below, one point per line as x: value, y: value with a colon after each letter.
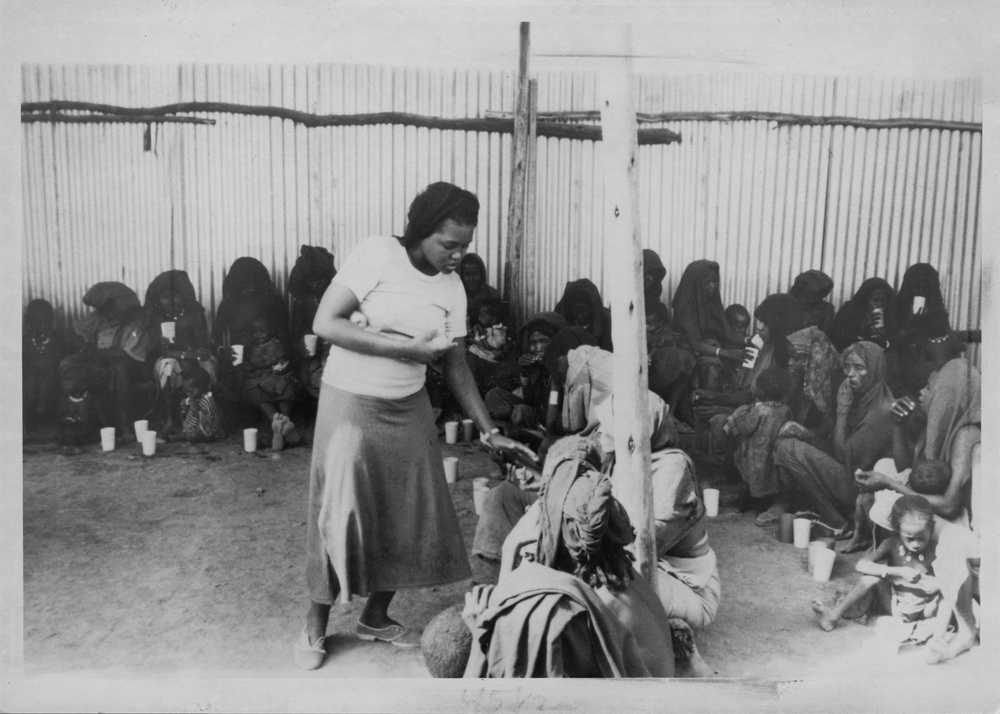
x: 380, y: 514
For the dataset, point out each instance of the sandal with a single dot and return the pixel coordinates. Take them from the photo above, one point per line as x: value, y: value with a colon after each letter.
x: 767, y: 518
x: 309, y: 656
x: 396, y: 635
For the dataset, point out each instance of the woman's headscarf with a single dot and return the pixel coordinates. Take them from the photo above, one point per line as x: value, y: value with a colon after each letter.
x: 179, y: 283
x: 873, y: 395
x: 783, y: 315
x: 923, y: 280
x: 822, y: 367
x: 314, y: 263
x: 235, y: 314
x: 698, y: 316
x: 811, y: 286
x: 850, y: 322
x: 652, y: 265
x: 130, y: 327
x: 436, y: 204
x: 561, y: 343
x: 471, y: 259
x: 548, y: 323
x: 39, y: 314
x: 583, y: 290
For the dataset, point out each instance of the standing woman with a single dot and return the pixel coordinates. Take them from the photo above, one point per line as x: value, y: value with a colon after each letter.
x: 380, y: 514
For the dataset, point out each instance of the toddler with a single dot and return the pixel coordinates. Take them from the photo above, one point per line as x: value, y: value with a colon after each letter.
x: 754, y: 428
x: 905, y: 563
x: 200, y: 417
x: 268, y: 380
x: 488, y: 339
x: 77, y: 414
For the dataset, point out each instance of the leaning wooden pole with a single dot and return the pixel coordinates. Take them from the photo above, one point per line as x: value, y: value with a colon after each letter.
x: 529, y: 248
x: 519, y: 165
x: 623, y: 261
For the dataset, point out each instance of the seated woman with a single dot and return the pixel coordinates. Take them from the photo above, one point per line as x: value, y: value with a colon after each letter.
x: 117, y: 343
x: 310, y: 277
x: 42, y: 348
x: 821, y: 478
x: 268, y: 382
x: 671, y: 367
x: 869, y: 316
x: 572, y: 605
x: 171, y: 302
x: 490, y: 349
x: 811, y: 289
x: 919, y: 293
x: 816, y: 367
x: 472, y: 271
x: 247, y: 293
x: 528, y: 407
x: 581, y: 306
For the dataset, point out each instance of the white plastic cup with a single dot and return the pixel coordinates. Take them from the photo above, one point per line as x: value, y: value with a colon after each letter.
x: 141, y: 427
x: 238, y: 349
x: 451, y: 432
x: 919, y: 302
x: 711, y: 498
x: 108, y: 438
x: 814, y: 547
x: 801, y: 528
x: 310, y: 341
x: 823, y: 560
x: 751, y: 360
x: 757, y: 341
x: 169, y: 330
x: 250, y: 440
x: 451, y: 469
x: 879, y: 317
x: 480, y: 487
x: 468, y: 430
x: 149, y: 443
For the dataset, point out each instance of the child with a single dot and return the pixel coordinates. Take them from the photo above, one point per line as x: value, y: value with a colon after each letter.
x: 77, y: 415
x: 42, y: 348
x: 738, y: 318
x: 200, y: 416
x: 906, y: 561
x: 268, y: 380
x: 491, y: 349
x: 754, y: 429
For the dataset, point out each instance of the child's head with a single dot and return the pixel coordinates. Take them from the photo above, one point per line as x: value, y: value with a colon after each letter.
x: 773, y: 385
x: 738, y: 318
x: 263, y: 329
x: 492, y: 311
x: 930, y: 477
x: 196, y: 382
x: 39, y: 318
x: 446, y: 643
x: 912, y: 520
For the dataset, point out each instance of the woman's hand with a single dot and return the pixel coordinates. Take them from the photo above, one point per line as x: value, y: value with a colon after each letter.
x: 902, y: 409
x: 476, y: 603
x: 845, y: 397
x: 870, y: 480
x: 498, y: 442
x: 428, y: 347
x: 526, y: 360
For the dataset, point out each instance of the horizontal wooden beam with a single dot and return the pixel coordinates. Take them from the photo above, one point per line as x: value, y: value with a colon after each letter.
x: 503, y: 125
x: 776, y: 117
x: 59, y: 117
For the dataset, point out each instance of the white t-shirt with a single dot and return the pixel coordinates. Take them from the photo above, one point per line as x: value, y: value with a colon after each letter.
x: 400, y: 302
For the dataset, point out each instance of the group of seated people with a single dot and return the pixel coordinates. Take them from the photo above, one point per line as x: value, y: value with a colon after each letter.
x: 127, y: 360
x: 822, y: 413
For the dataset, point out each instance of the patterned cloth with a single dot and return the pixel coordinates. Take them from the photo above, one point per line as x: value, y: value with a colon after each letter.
x: 755, y: 428
x: 202, y: 419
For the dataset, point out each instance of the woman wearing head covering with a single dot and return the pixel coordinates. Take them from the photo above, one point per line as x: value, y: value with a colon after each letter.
x: 821, y: 481
x: 671, y: 367
x: 815, y: 365
x: 700, y: 319
x: 118, y: 343
x: 42, y: 348
x: 309, y: 279
x: 247, y: 293
x: 380, y: 514
x: 870, y: 315
x: 811, y: 289
x: 528, y: 408
x: 472, y: 271
x: 577, y: 608
x: 919, y: 294
x: 581, y: 306
x: 172, y: 305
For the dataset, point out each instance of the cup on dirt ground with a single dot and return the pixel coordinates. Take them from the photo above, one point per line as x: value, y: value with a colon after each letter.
x: 250, y: 440
x: 169, y: 330
x: 468, y: 430
x: 480, y: 487
x: 801, y: 527
x: 310, y: 341
x: 141, y: 427
x: 711, y: 498
x: 451, y: 432
x: 823, y: 560
x: 108, y: 438
x: 149, y: 443
x: 238, y: 359
x: 451, y: 469
x: 785, y: 529
x: 814, y: 546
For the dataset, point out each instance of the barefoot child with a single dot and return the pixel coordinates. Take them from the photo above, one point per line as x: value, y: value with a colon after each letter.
x: 268, y: 381
x: 77, y: 414
x: 906, y: 561
x: 200, y: 418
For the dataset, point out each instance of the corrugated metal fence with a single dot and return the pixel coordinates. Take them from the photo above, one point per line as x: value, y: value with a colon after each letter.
x: 766, y: 201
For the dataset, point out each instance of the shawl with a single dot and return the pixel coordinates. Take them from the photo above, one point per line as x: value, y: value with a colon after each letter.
x: 39, y: 314
x: 178, y: 282
x: 662, y: 427
x: 129, y: 330
x: 952, y: 399
x: 783, y: 315
x: 236, y: 314
x: 589, y: 381
x: 869, y: 422
x: 314, y: 263
x: 923, y: 280
x: 485, y: 292
x: 811, y: 286
x: 560, y: 345
x: 548, y: 323
x: 584, y: 290
x: 697, y: 316
x: 849, y: 325
x: 652, y: 266
x: 822, y: 366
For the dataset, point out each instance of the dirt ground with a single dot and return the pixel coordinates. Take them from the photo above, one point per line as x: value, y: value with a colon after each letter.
x: 192, y: 562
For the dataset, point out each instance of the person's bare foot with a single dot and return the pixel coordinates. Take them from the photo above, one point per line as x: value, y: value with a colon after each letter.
x: 939, y: 650
x: 826, y: 618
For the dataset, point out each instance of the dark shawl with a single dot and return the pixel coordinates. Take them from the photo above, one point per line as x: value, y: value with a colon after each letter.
x: 811, y: 288
x: 562, y: 342
x: 919, y: 279
x: 653, y: 266
x: 850, y: 324
x: 314, y: 263
x: 473, y: 300
x: 192, y: 327
x: 129, y: 332
x: 584, y: 289
x: 697, y: 316
x: 783, y: 315
x: 235, y: 316
x: 869, y: 422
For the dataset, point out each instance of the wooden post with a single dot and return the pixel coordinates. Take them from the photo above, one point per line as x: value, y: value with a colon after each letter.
x: 530, y: 245
x: 519, y: 162
x: 623, y: 258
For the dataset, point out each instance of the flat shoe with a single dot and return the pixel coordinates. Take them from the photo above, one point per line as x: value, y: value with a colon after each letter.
x: 396, y: 635
x: 309, y: 656
x: 767, y: 518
